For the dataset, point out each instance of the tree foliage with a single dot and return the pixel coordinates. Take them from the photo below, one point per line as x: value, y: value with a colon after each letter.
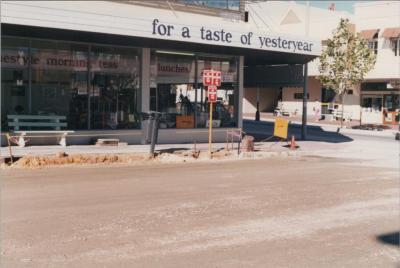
x: 345, y: 60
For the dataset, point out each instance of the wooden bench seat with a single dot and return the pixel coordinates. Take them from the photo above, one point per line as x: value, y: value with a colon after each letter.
x: 281, y: 112
x: 23, y: 126
x: 337, y: 114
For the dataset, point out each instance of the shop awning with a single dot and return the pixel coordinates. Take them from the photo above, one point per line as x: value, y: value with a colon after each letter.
x: 391, y: 33
x: 369, y: 34
x: 163, y: 28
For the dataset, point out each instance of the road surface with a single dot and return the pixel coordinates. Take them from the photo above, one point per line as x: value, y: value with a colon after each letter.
x: 306, y: 212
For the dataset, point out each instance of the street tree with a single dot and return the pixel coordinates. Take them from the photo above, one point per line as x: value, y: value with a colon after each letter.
x: 344, y: 61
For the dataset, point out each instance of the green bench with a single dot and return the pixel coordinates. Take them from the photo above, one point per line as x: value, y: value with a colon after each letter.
x: 23, y: 125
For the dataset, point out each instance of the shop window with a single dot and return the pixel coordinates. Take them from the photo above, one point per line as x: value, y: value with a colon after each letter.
x: 15, y: 94
x: 172, y: 77
x: 371, y: 103
x: 114, y: 87
x: 59, y: 81
x: 392, y: 103
x: 179, y: 94
x: 224, y: 109
x: 43, y: 77
x: 374, y: 86
x: 373, y: 43
x: 299, y: 96
x: 395, y: 44
x: 328, y: 95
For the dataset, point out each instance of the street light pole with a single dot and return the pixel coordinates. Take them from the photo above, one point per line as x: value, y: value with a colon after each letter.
x: 305, y: 94
x: 305, y: 73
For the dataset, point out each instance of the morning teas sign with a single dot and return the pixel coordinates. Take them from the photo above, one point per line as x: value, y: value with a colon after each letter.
x: 221, y: 36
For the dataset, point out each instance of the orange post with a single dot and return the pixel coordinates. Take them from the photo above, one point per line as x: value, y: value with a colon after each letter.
x: 293, y: 143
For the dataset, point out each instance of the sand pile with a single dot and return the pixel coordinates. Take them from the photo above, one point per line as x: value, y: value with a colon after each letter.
x: 178, y: 156
x: 63, y: 159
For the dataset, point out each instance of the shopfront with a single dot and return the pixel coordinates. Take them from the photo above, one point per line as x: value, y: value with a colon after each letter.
x: 94, y: 86
x: 102, y: 76
x: 177, y: 91
x: 380, y: 103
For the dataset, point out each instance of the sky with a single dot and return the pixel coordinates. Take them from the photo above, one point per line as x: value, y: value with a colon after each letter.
x: 340, y: 5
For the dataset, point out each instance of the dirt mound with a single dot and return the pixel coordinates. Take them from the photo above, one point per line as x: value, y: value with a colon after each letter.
x: 63, y: 159
x: 177, y: 156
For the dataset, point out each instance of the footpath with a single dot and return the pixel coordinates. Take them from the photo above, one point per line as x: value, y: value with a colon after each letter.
x: 38, y: 156
x: 369, y: 151
x: 295, y: 122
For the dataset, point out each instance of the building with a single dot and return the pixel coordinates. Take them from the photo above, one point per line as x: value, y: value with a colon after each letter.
x: 379, y: 22
x: 97, y: 65
x: 374, y: 101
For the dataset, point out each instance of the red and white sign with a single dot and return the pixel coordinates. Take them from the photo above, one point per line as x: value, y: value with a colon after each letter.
x: 211, y: 78
x: 212, y: 93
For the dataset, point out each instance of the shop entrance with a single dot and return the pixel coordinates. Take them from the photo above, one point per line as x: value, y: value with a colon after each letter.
x: 391, y: 109
x: 177, y: 91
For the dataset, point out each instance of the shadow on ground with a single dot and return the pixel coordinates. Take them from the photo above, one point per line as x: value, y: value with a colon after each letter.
x: 262, y: 130
x: 171, y: 150
x: 390, y: 238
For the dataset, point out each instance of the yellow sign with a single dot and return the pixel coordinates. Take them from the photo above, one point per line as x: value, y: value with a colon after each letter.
x: 281, y: 128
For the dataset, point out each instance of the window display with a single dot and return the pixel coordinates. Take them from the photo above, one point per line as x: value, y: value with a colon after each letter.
x: 43, y: 77
x: 179, y: 94
x: 15, y: 78
x: 114, y: 88
x: 59, y: 80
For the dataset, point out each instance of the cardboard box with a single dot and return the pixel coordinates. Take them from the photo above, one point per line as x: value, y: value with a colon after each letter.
x: 185, y: 121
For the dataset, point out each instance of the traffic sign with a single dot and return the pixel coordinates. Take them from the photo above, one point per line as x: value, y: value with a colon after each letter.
x: 212, y: 93
x: 211, y: 78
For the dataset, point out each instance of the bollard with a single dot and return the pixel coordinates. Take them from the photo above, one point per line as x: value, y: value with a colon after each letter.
x: 154, y: 133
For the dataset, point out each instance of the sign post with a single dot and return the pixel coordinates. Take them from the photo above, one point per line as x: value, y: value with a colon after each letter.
x: 210, y: 130
x: 211, y: 79
x: 212, y: 97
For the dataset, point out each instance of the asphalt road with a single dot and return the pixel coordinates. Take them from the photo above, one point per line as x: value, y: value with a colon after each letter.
x: 307, y: 212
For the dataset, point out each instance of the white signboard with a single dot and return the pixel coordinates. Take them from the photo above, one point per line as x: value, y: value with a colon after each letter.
x: 132, y: 20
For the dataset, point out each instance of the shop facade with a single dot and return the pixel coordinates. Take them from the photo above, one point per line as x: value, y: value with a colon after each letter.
x: 380, y: 103
x: 102, y: 81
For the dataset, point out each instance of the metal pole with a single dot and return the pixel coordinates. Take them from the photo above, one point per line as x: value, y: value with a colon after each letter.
x: 89, y: 86
x: 196, y: 89
x: 304, y: 117
x: 305, y: 89
x: 210, y: 130
x: 258, y: 104
x: 154, y: 134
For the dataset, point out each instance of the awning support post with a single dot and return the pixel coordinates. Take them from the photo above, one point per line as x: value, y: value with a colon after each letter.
x: 305, y: 94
